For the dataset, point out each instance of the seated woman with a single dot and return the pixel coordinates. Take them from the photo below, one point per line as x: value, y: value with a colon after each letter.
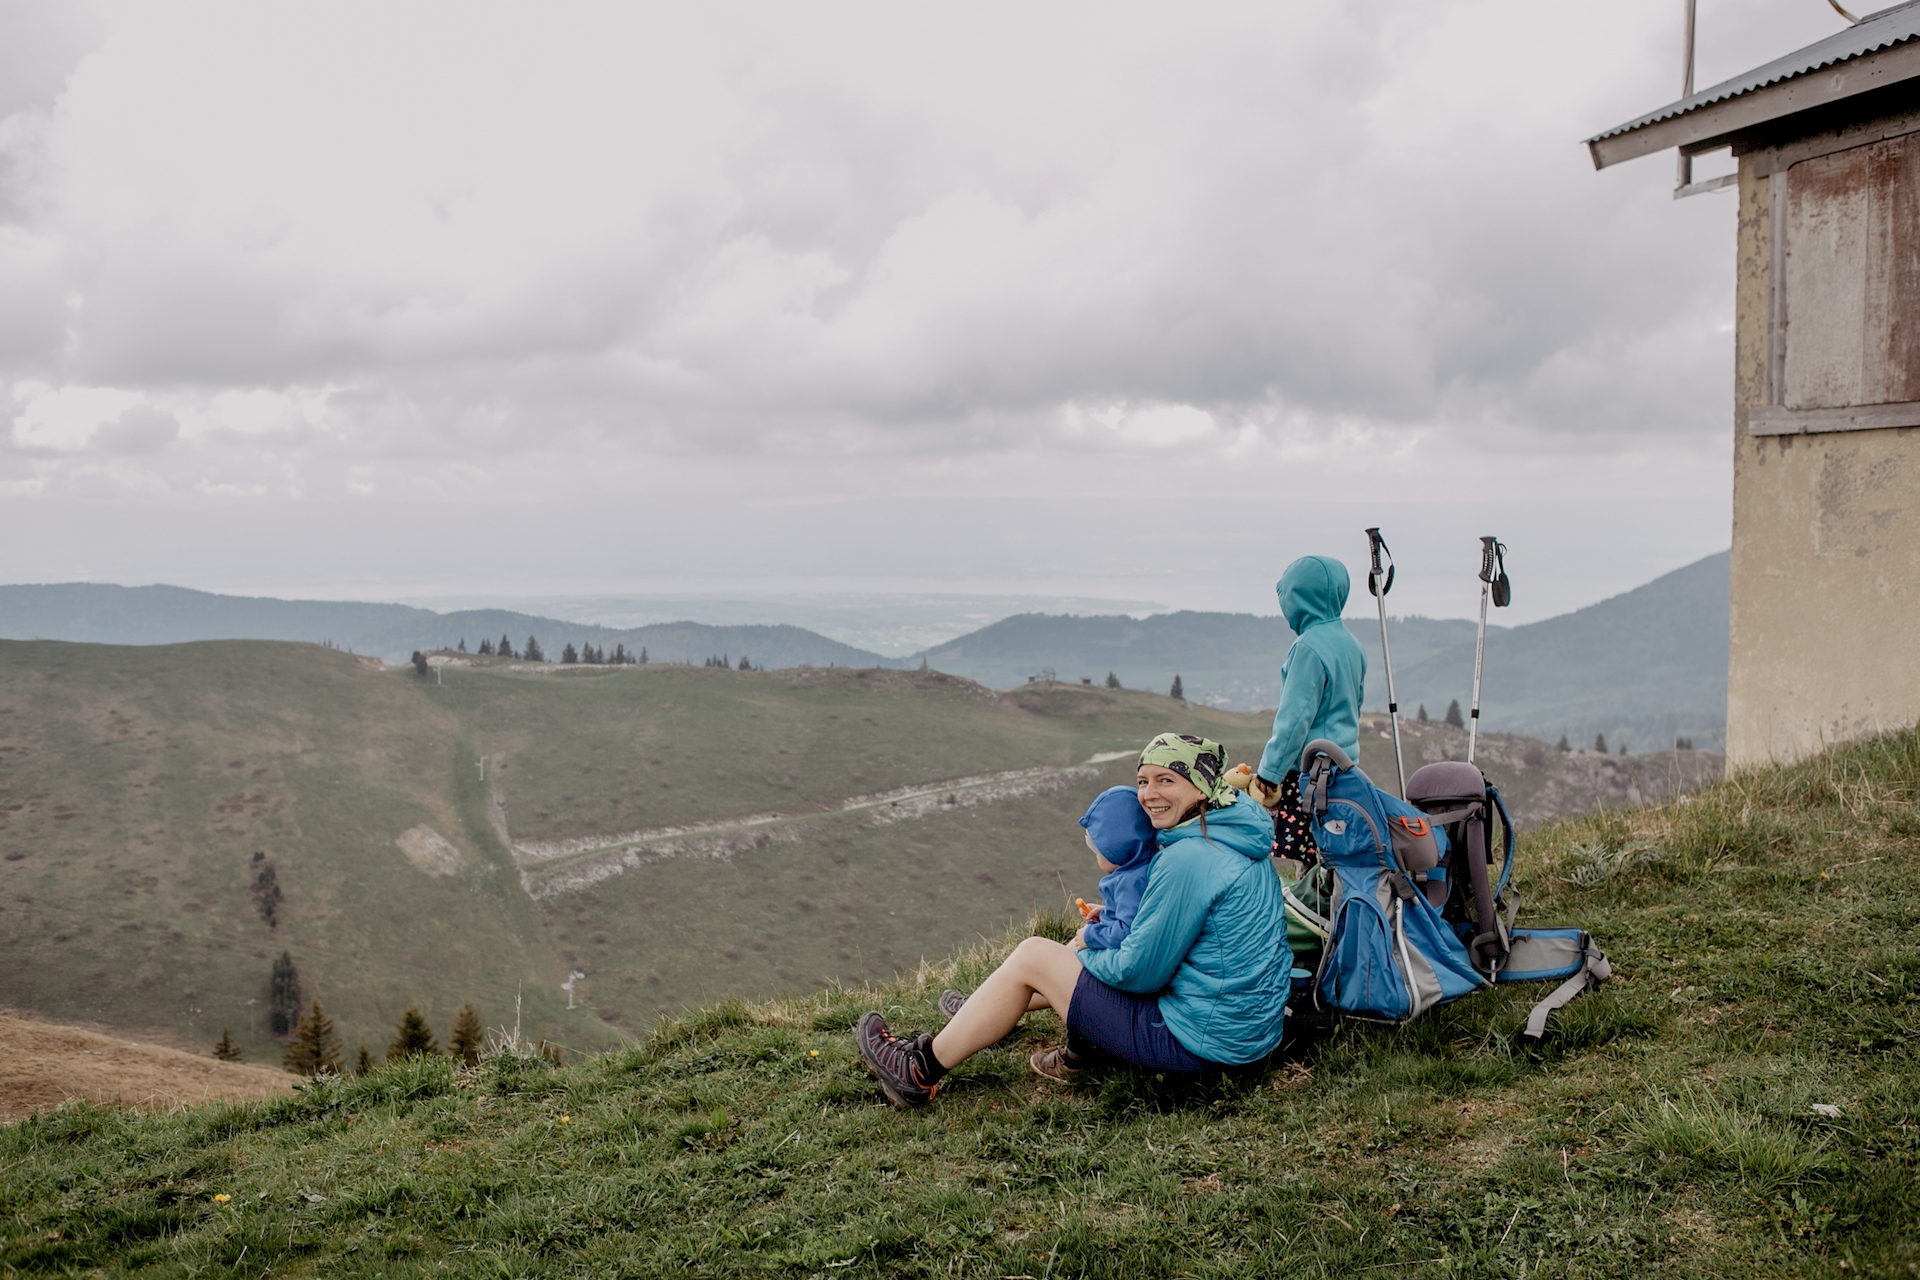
x: 1200, y: 983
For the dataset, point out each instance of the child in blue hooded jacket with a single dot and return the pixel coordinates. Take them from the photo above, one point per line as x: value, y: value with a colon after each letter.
x: 1122, y: 837
x: 1321, y: 683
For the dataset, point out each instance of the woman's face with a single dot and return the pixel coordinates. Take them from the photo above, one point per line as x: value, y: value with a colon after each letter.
x: 1165, y: 795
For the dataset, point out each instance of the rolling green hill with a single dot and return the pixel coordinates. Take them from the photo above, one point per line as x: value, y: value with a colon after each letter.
x: 1741, y: 1100
x: 137, y: 784
x: 669, y: 834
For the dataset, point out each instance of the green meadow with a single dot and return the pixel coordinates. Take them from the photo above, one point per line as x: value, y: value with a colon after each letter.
x: 1742, y: 1099
x: 143, y: 789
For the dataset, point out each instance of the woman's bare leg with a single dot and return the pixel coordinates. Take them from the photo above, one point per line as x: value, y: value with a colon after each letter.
x: 1037, y: 967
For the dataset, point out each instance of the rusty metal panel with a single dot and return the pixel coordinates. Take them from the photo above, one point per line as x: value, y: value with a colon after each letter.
x: 1851, y: 296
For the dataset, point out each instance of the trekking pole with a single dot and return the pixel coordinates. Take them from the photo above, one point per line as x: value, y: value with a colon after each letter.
x: 1378, y: 585
x: 1493, y: 580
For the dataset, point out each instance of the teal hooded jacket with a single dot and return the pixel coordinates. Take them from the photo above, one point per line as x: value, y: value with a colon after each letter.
x: 1325, y: 671
x: 1210, y: 937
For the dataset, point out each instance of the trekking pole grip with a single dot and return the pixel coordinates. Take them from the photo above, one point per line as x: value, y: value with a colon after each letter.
x: 1376, y: 584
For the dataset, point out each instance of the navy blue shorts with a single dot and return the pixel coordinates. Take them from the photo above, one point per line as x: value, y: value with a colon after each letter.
x: 1106, y: 1021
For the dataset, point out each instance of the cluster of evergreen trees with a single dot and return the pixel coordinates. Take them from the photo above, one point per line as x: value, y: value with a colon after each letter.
x: 315, y: 1049
x: 726, y: 663
x: 531, y: 651
x: 596, y: 656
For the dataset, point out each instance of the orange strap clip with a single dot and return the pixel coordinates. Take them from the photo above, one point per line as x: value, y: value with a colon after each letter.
x: 1420, y: 830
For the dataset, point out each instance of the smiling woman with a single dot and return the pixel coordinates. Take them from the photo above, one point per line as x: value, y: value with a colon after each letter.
x: 1199, y: 982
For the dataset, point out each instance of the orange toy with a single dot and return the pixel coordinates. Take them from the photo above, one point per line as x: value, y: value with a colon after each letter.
x: 1087, y: 913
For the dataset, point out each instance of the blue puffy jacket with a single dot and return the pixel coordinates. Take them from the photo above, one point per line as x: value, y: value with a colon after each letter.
x: 1325, y: 673
x: 1210, y: 938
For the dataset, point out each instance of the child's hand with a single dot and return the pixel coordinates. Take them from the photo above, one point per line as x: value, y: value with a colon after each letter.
x: 1269, y: 797
x: 1087, y: 913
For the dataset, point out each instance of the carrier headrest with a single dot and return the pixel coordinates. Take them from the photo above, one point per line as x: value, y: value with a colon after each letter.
x: 1446, y: 780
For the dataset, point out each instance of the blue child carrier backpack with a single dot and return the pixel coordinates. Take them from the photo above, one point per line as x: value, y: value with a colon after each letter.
x: 1389, y: 956
x: 1416, y: 913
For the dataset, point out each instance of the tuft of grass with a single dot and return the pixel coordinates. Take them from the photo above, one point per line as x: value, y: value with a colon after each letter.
x: 1722, y: 1137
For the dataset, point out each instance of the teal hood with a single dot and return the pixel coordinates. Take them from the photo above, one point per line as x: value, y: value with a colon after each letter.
x: 1313, y: 590
x: 1325, y: 672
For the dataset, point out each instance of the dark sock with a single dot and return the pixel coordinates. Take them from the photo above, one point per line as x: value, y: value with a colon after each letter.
x: 930, y: 1068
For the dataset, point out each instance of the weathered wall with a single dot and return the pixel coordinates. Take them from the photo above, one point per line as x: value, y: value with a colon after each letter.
x: 1825, y: 618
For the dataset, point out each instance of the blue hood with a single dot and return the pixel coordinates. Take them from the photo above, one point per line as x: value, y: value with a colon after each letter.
x: 1119, y: 828
x: 1313, y: 590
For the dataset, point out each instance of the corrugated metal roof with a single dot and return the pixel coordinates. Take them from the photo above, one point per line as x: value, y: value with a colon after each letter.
x: 1876, y: 31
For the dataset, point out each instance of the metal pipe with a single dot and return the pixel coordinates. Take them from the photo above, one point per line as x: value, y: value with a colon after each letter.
x: 1686, y: 89
x: 1378, y: 585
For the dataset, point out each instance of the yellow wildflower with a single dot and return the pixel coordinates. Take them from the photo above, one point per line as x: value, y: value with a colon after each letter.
x: 222, y: 1198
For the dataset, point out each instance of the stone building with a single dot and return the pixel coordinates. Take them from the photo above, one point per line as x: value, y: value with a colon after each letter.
x: 1826, y: 390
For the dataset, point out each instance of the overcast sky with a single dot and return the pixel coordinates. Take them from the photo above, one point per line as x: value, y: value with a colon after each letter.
x: 1127, y: 300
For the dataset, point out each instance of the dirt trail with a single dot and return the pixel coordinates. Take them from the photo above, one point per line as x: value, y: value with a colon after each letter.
x: 548, y: 867
x: 43, y: 1065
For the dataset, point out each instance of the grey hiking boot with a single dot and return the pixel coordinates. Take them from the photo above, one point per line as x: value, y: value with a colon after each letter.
x: 1055, y: 1064
x: 908, y: 1071
x: 950, y: 1002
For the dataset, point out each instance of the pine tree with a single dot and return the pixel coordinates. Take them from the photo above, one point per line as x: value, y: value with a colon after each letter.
x: 1421, y: 714
x: 1563, y: 744
x: 1600, y: 743
x: 463, y: 645
x: 1623, y: 748
x: 532, y: 653
x: 464, y: 1044
x: 643, y: 655
x: 413, y: 1038
x: 1454, y: 717
x: 486, y: 648
x: 620, y: 658
x: 267, y: 895
x: 1683, y: 744
x: 1113, y: 681
x: 420, y: 664
x: 315, y: 1049
x: 226, y: 1050
x: 744, y: 664
x: 505, y: 648
x: 363, y: 1063
x: 1178, y: 693
x: 283, y: 996
x: 567, y: 655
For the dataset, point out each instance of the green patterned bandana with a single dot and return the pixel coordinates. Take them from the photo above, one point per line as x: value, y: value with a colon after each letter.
x: 1198, y: 760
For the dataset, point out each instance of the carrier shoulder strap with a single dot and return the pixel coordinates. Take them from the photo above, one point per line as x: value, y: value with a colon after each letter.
x: 1595, y: 971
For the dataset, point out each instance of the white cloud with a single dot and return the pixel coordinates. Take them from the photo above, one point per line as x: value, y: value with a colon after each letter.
x: 535, y: 253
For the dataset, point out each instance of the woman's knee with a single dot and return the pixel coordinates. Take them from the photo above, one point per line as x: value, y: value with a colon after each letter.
x: 1037, y: 951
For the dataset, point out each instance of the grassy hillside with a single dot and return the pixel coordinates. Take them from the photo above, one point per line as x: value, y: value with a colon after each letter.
x: 138, y: 784
x: 1743, y: 1099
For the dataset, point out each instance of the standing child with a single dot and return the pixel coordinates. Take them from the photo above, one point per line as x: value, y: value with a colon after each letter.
x: 1122, y: 838
x: 1320, y: 688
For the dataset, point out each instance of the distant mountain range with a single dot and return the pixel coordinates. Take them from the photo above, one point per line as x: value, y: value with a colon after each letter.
x: 172, y: 615
x: 1642, y: 667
